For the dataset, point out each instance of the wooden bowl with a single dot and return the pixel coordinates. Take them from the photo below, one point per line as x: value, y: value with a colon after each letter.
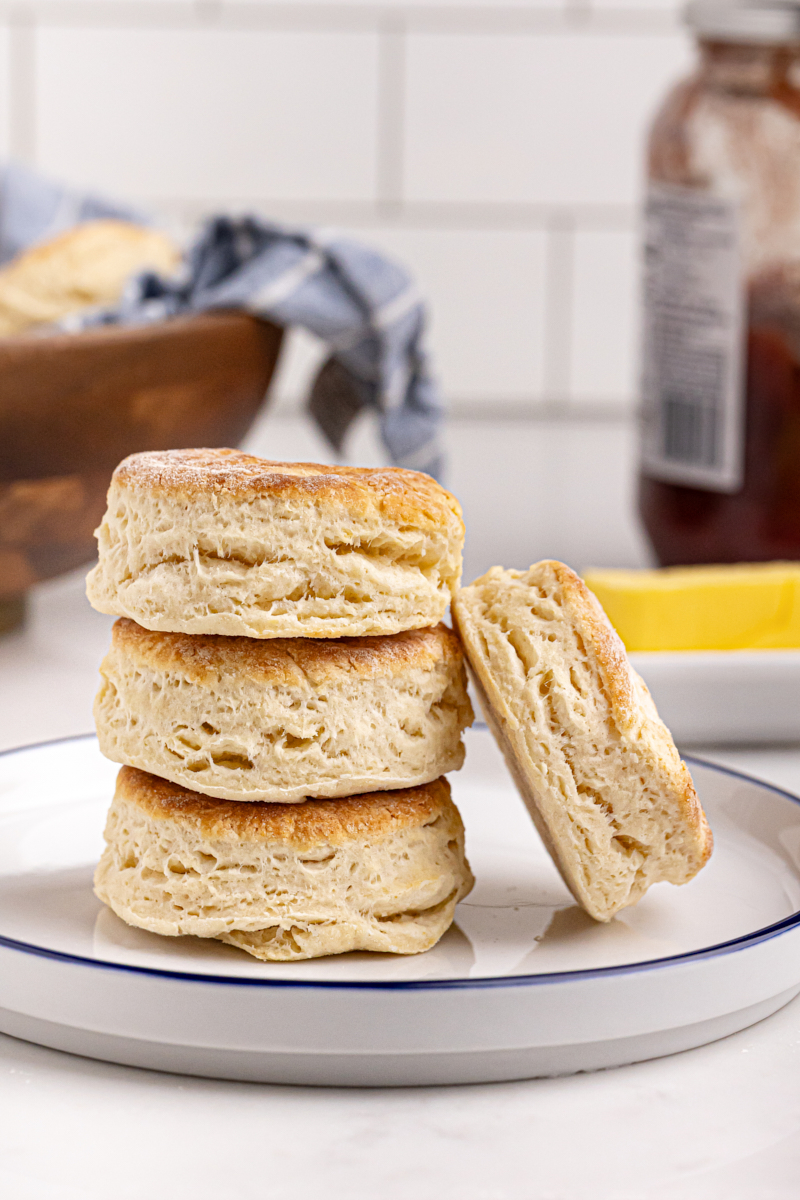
x: 73, y: 405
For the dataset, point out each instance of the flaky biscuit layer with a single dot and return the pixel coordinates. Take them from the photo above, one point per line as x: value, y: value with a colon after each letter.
x: 379, y: 872
x: 595, y: 765
x: 216, y: 541
x: 284, y: 719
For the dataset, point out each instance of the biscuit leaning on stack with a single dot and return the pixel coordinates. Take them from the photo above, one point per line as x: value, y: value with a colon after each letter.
x: 284, y: 701
x: 597, y: 768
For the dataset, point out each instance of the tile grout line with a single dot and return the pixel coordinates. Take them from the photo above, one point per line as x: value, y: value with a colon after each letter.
x: 534, y: 410
x: 558, y: 306
x: 207, y: 12
x: 574, y: 16
x: 22, y: 87
x: 467, y: 216
x: 580, y: 11
x: 390, y: 154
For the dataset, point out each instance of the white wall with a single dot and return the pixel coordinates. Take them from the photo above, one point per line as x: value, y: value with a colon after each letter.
x: 496, y: 148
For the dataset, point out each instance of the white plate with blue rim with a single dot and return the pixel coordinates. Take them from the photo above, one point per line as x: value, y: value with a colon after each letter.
x: 524, y: 984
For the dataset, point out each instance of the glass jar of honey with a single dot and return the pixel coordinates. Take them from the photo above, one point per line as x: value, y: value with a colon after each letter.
x: 720, y: 471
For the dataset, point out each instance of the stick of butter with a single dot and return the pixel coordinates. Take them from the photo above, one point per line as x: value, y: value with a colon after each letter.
x: 749, y: 606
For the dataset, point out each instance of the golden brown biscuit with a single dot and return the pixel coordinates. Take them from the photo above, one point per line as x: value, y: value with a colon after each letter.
x: 216, y: 541
x: 84, y: 267
x: 597, y: 768
x: 382, y: 871
x: 284, y: 719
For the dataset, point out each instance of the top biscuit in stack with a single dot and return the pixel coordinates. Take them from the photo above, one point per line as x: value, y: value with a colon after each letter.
x: 220, y: 542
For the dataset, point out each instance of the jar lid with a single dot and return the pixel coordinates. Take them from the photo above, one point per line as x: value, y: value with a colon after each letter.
x: 745, y: 20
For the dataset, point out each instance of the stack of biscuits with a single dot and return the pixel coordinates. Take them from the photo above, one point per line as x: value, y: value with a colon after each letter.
x: 285, y: 703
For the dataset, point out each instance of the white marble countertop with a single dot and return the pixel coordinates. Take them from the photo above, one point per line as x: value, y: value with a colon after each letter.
x: 718, y: 1123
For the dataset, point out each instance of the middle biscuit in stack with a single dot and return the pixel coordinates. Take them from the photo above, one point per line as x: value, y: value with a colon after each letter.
x: 201, y: 547
x: 284, y: 719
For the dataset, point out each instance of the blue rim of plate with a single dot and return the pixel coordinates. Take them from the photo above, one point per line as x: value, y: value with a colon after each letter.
x: 746, y: 941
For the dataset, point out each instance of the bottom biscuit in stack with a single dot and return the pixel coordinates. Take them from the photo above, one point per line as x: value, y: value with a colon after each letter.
x: 381, y: 871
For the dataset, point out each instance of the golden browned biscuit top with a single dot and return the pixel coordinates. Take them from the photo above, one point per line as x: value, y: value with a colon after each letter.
x: 394, y: 491
x: 329, y: 822
x: 204, y: 657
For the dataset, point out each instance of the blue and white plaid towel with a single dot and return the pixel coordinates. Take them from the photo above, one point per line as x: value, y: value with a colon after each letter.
x: 364, y: 306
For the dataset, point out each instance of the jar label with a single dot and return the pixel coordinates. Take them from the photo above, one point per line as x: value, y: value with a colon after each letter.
x: 694, y: 320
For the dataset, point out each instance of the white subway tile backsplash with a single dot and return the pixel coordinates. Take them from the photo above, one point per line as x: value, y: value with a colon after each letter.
x: 418, y: 6
x: 486, y: 296
x: 537, y: 118
x: 660, y: 6
x: 5, y: 93
x: 546, y: 489
x: 605, y: 313
x: 86, y: 10
x: 209, y: 114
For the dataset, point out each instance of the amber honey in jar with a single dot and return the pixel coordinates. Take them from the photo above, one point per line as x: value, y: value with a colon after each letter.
x: 720, y: 472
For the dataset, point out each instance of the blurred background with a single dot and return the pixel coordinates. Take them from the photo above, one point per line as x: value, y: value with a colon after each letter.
x: 497, y: 149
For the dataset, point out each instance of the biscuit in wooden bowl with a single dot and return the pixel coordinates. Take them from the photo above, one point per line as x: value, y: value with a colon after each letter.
x: 381, y: 872
x: 216, y: 541
x: 285, y: 718
x: 596, y: 766
x: 83, y: 267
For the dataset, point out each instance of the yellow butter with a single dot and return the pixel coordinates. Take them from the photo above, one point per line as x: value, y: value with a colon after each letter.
x: 749, y: 606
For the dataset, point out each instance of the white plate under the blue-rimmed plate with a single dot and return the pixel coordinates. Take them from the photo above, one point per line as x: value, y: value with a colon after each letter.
x: 725, y: 696
x: 523, y: 985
